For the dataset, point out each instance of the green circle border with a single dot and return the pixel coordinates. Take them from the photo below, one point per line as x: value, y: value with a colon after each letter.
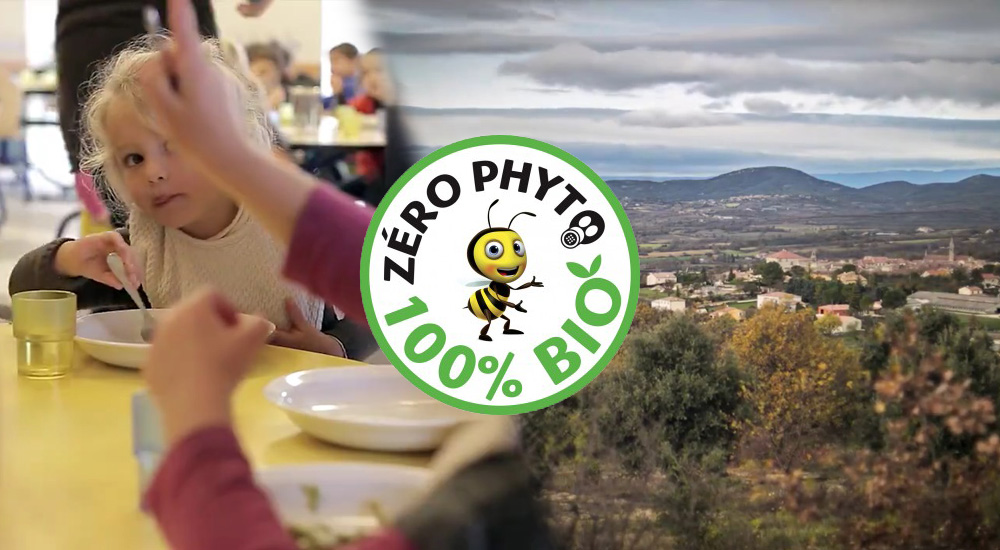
x: 372, y: 232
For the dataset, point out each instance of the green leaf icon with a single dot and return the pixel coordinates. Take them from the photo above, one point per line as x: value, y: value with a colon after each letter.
x: 595, y: 266
x: 577, y: 269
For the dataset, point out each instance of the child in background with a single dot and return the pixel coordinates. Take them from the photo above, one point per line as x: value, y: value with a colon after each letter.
x: 343, y: 75
x: 269, y: 63
x: 371, y: 61
x: 182, y: 232
x: 375, y: 82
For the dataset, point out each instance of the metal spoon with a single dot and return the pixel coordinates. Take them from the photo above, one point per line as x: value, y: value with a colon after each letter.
x: 148, y: 323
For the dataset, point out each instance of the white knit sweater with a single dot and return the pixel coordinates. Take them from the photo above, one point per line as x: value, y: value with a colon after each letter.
x: 243, y: 262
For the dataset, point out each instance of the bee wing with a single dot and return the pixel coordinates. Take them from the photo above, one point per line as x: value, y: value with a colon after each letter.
x: 480, y: 283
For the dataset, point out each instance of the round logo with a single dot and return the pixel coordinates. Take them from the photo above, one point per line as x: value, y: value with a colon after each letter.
x: 500, y: 275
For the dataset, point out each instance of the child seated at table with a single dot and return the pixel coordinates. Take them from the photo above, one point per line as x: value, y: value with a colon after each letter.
x: 344, y: 75
x: 376, y: 94
x: 269, y: 64
x: 182, y: 232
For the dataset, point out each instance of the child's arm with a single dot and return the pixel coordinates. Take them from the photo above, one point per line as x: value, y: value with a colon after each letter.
x: 203, y: 495
x: 355, y: 337
x: 46, y: 268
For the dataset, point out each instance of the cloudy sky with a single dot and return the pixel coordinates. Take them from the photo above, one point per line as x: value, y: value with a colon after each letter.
x: 694, y: 88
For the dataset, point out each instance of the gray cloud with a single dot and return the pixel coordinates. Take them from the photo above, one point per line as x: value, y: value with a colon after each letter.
x: 508, y: 10
x: 715, y: 75
x: 977, y: 130
x: 565, y: 112
x: 665, y: 119
x: 806, y: 42
x: 611, y: 160
x: 767, y: 106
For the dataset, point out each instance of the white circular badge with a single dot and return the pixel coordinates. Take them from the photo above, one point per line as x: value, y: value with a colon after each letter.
x: 500, y: 275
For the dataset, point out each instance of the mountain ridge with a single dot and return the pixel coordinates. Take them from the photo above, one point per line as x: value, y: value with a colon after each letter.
x: 784, y: 181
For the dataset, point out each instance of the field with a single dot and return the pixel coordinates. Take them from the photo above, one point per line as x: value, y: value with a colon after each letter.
x: 989, y: 323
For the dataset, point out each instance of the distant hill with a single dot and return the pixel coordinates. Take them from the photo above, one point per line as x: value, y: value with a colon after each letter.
x: 975, y: 192
x: 890, y: 190
x: 768, y: 180
x: 980, y: 191
x: 920, y: 177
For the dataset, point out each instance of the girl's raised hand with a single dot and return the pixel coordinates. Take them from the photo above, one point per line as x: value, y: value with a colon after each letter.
x: 88, y: 257
x: 195, y: 105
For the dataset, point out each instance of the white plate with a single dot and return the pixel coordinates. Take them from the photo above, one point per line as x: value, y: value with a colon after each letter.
x: 371, y: 407
x: 345, y: 492
x: 113, y: 336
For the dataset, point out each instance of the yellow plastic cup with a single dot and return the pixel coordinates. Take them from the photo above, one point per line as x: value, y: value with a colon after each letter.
x: 44, y: 326
x: 349, y: 121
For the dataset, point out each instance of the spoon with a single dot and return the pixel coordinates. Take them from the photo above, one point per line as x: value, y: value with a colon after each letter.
x: 148, y: 323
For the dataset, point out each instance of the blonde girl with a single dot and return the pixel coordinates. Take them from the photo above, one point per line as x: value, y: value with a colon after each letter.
x: 182, y: 232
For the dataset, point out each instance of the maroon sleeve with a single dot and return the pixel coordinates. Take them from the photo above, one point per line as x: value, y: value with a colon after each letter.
x: 325, y: 251
x: 204, y: 498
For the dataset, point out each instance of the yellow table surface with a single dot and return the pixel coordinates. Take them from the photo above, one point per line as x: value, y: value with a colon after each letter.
x: 68, y: 478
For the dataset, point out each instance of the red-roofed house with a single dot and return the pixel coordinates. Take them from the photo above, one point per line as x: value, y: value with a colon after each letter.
x: 840, y: 310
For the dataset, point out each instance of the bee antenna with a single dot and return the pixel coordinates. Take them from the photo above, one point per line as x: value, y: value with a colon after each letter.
x: 515, y: 217
x: 488, y: 223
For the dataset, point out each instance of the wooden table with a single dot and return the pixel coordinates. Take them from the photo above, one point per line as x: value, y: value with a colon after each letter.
x: 68, y: 478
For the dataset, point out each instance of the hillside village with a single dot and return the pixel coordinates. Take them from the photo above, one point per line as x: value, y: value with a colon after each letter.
x: 864, y: 283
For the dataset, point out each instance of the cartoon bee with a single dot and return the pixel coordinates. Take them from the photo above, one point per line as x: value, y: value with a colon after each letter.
x: 498, y: 254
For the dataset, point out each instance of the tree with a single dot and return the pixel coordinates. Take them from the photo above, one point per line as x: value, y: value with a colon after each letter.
x: 976, y: 276
x: 803, y: 287
x: 770, y: 273
x: 894, y: 298
x: 677, y: 385
x: 798, y: 272
x: 750, y: 287
x: 828, y: 324
x: 849, y: 268
x: 830, y: 292
x: 960, y: 275
x: 689, y: 278
x: 804, y: 387
x: 866, y: 303
x: 646, y: 317
x: 731, y: 277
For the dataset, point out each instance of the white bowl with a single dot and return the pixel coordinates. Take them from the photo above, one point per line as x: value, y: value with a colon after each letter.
x: 345, y: 490
x: 368, y: 407
x: 113, y: 336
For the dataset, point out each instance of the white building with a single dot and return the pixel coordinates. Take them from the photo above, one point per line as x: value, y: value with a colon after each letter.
x: 669, y: 304
x: 781, y: 299
x: 970, y: 291
x: 990, y: 280
x: 661, y: 278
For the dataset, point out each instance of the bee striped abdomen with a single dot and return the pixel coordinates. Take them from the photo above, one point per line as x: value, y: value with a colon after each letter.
x: 488, y: 303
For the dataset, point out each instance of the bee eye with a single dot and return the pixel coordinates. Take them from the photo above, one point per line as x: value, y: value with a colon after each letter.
x: 494, y: 250
x: 519, y: 248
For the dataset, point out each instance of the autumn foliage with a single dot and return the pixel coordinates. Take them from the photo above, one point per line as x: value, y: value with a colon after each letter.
x: 804, y: 386
x: 909, y: 494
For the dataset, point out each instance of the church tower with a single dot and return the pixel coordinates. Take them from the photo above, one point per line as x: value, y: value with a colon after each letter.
x: 951, y: 250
